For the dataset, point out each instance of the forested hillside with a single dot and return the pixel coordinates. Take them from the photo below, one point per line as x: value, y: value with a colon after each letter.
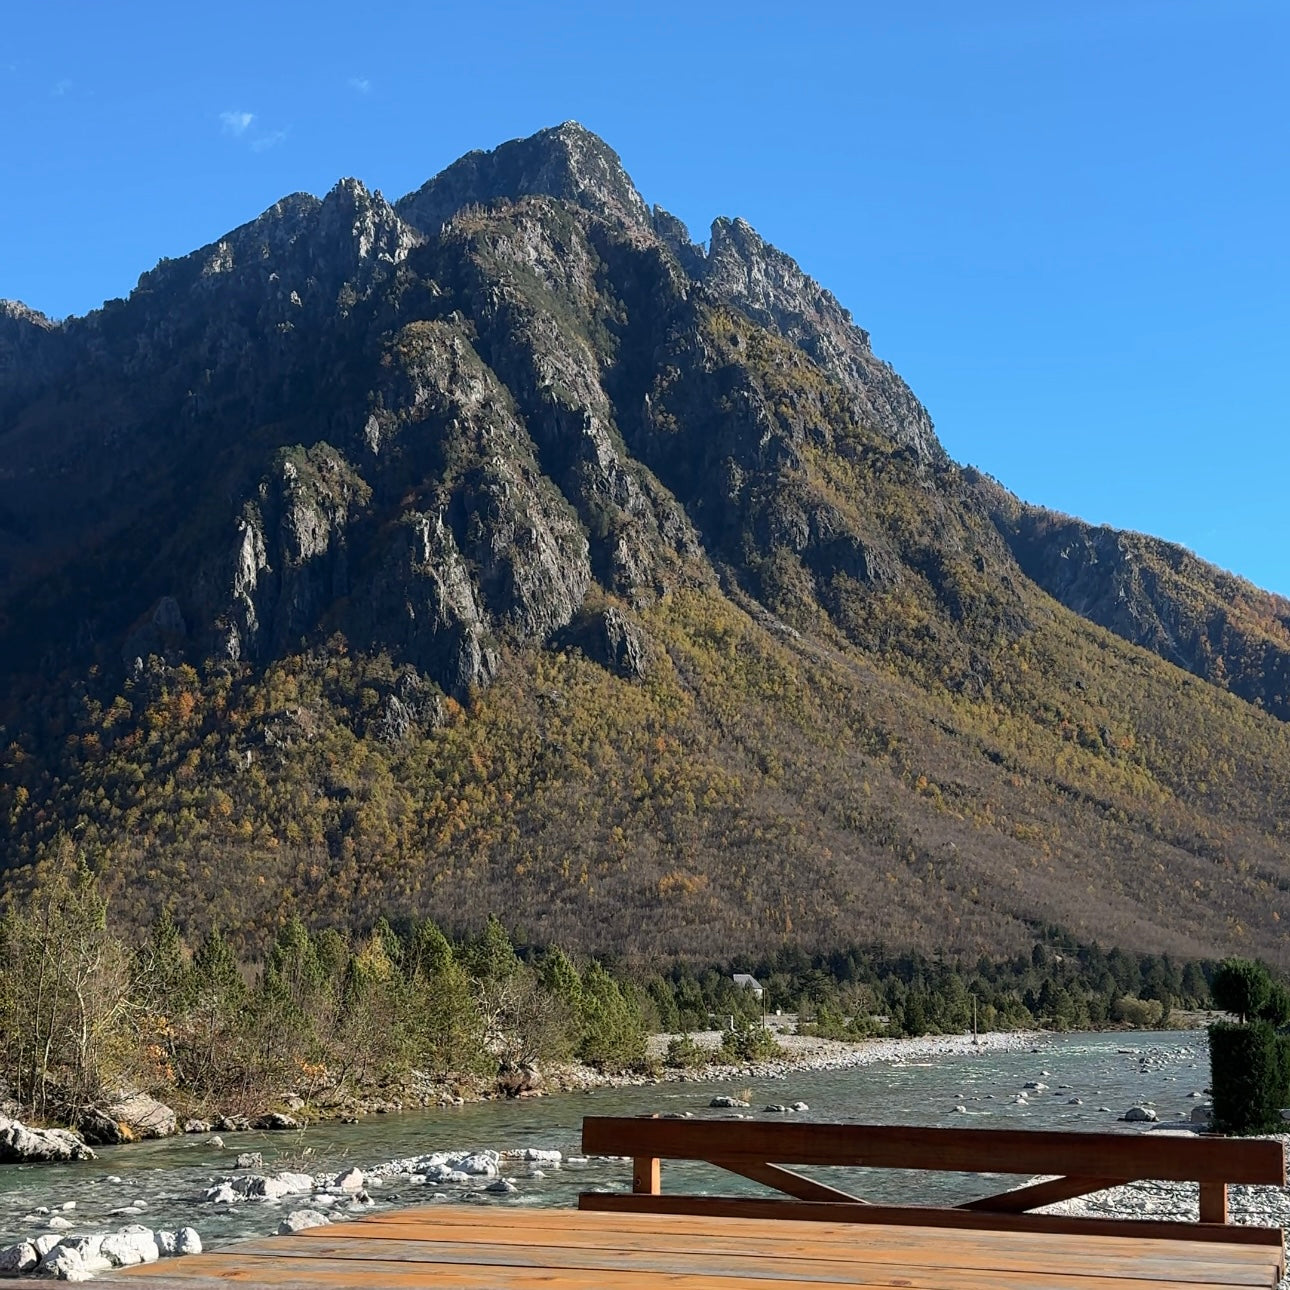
x: 502, y: 550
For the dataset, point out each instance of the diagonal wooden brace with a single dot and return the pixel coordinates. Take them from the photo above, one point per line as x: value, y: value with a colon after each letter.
x: 1042, y: 1193
x: 786, y: 1180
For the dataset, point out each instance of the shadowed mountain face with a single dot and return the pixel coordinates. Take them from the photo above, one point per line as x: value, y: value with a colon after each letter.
x: 502, y: 549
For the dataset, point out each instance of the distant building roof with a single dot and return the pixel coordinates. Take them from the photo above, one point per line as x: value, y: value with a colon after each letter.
x: 746, y: 982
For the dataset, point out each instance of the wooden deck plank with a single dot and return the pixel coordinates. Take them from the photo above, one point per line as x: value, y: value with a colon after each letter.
x: 469, y: 1247
x: 1208, y: 1265
x: 523, y: 1222
x: 330, y: 1272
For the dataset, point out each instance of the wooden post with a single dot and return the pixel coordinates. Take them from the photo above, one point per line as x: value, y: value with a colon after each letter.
x: 646, y: 1176
x: 1213, y: 1202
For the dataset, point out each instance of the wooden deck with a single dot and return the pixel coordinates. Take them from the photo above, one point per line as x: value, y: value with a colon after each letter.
x: 491, y: 1247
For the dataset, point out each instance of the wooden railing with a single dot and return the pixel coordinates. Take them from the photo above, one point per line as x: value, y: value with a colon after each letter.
x: 1083, y: 1163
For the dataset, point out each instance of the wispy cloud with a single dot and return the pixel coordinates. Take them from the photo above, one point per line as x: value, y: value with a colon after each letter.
x: 236, y: 123
x: 263, y: 142
x: 360, y: 84
x: 61, y: 87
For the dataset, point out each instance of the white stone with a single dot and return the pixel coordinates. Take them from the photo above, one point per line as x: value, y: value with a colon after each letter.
x: 187, y: 1241
x: 300, y: 1219
x: 20, y: 1145
x: 45, y: 1242
x: 349, y: 1180
x: 64, y: 1264
x: 58, y: 1223
x: 166, y: 1244
x: 17, y: 1259
x: 502, y: 1187
x: 1139, y: 1114
x: 126, y: 1248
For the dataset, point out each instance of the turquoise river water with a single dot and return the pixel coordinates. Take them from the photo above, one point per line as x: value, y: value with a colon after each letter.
x: 1107, y: 1072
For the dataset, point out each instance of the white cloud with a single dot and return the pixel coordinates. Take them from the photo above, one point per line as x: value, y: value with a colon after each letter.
x: 263, y: 142
x: 236, y: 123
x: 360, y: 84
x: 61, y: 88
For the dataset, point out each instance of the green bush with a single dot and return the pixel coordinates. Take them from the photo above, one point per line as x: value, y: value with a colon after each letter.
x: 1250, y: 1076
x: 684, y: 1054
x: 750, y: 1041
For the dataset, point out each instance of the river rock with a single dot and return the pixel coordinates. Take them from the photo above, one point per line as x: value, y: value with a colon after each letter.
x: 275, y: 1120
x: 350, y: 1180
x: 300, y: 1219
x: 197, y: 1126
x: 727, y: 1103
x: 538, y: 1155
x: 45, y: 1242
x: 1035, y: 1086
x: 21, y: 1145
x: 130, y: 1246
x: 502, y: 1187
x: 64, y: 1264
x: 58, y: 1223
x: 127, y: 1117
x: 250, y: 1160
x: 17, y: 1259
x: 187, y: 1241
x: 1139, y: 1115
x: 227, y: 1191
x: 1202, y: 1113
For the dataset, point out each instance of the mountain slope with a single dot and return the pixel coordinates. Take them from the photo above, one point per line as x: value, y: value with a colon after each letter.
x: 502, y: 549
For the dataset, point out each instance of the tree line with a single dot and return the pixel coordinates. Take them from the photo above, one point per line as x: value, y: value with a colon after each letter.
x: 87, y: 1009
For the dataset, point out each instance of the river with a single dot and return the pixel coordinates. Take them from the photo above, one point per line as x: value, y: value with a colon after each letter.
x: 1107, y: 1072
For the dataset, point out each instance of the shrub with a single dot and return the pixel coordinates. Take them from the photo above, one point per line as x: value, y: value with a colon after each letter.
x: 749, y: 1042
x: 1138, y: 1013
x: 1250, y: 1076
x: 684, y: 1054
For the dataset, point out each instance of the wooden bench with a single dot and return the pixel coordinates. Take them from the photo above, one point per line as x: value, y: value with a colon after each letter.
x: 1085, y: 1162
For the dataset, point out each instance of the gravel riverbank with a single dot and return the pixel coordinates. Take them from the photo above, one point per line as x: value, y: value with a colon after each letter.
x: 800, y: 1053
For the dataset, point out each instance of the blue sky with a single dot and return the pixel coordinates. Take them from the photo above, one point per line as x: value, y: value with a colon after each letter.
x: 1063, y: 222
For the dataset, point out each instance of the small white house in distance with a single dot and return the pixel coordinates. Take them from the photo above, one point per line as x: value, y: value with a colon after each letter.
x: 745, y: 982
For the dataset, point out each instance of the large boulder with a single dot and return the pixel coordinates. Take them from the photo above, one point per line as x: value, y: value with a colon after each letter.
x: 127, y: 1117
x: 275, y: 1120
x: 300, y: 1220
x: 21, y: 1145
x: 1139, y: 1115
x: 17, y: 1259
x: 228, y: 1191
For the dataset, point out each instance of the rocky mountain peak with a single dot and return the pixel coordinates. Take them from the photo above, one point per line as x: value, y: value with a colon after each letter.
x: 567, y: 162
x: 745, y: 271
x: 25, y: 335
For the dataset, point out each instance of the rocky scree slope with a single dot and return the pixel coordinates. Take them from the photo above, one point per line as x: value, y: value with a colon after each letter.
x: 503, y: 549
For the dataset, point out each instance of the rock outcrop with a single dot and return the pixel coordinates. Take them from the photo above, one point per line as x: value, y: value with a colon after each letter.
x: 21, y: 1145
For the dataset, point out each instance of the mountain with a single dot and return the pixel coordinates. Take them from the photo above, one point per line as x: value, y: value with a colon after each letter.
x: 503, y: 549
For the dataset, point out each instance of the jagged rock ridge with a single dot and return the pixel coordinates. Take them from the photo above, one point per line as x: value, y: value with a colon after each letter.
x: 404, y: 462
